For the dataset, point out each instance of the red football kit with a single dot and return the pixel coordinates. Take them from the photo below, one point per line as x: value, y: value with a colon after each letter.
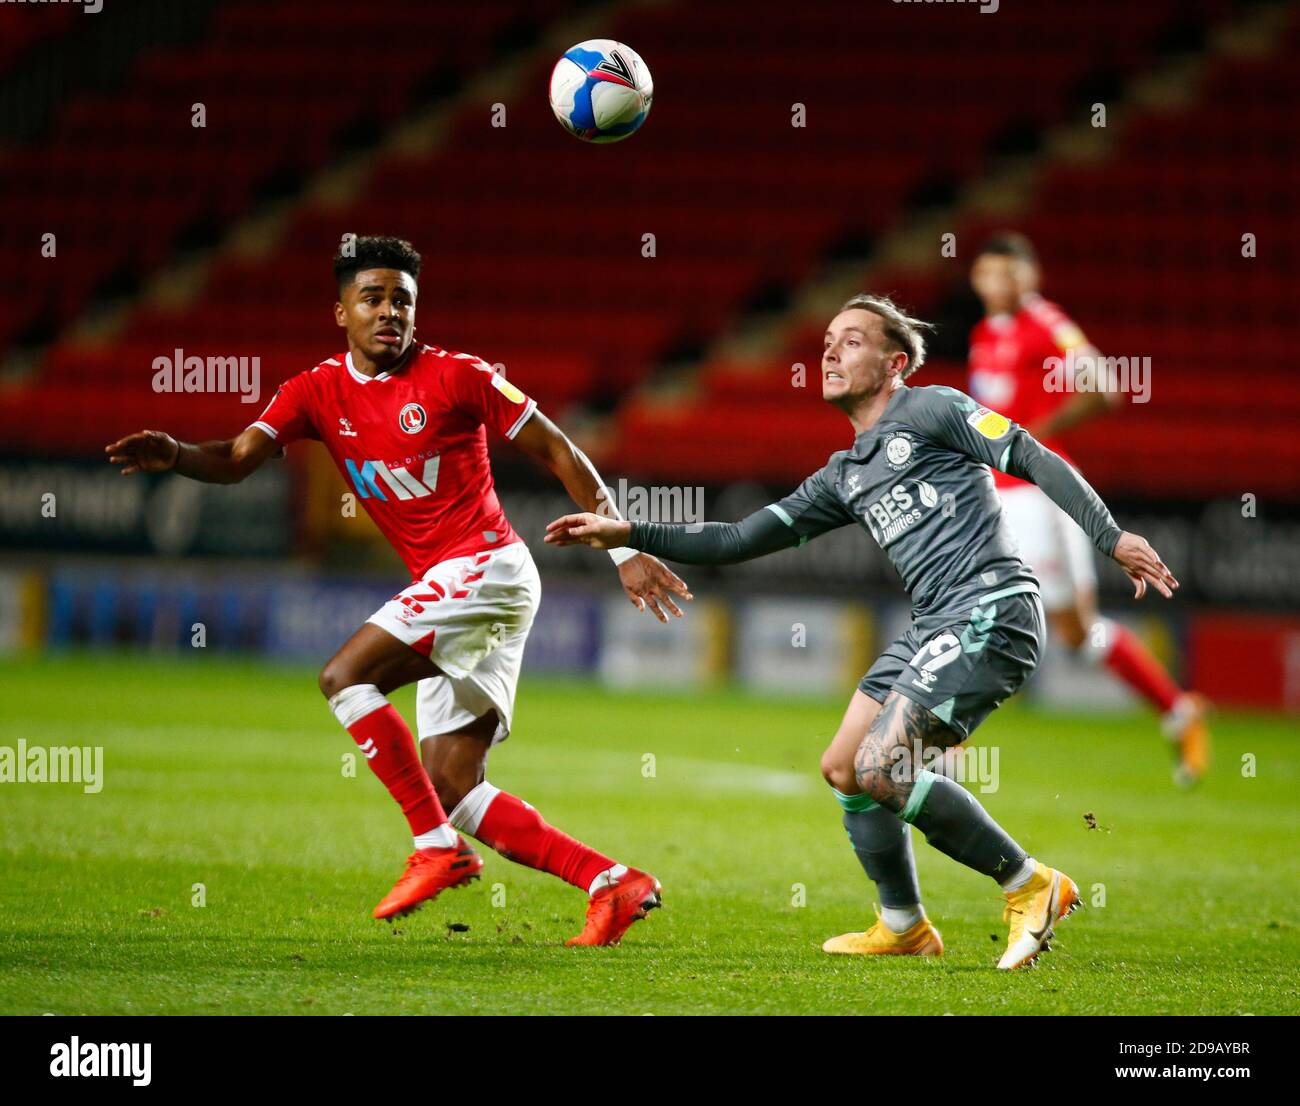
x: 1008, y: 355
x: 1008, y: 370
x: 412, y: 444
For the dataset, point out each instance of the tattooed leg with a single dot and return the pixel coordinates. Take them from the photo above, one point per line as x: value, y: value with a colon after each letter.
x: 888, y: 769
x: 887, y: 763
x: 880, y: 839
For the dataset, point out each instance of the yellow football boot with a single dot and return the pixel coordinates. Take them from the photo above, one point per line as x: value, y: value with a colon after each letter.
x: 921, y: 940
x: 1033, y: 912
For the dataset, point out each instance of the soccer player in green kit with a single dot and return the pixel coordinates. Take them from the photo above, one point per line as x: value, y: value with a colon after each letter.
x: 917, y: 478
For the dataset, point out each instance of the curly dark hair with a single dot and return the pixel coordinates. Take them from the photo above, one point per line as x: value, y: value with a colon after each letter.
x: 374, y: 251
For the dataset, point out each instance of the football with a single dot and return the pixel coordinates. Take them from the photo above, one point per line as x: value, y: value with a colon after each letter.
x: 601, y: 90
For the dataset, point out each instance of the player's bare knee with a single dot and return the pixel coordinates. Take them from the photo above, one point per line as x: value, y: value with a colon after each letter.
x: 328, y: 682
x: 837, y: 773
x: 334, y: 677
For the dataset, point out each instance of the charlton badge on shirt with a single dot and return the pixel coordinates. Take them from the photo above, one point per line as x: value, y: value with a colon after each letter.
x: 412, y: 418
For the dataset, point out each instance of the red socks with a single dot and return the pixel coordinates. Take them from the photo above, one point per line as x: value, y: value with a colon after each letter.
x: 506, y: 823
x: 515, y: 830
x: 1131, y: 661
x: 389, y: 748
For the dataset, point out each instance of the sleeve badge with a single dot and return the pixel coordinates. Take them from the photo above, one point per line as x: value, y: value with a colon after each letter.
x: 502, y: 385
x: 989, y: 423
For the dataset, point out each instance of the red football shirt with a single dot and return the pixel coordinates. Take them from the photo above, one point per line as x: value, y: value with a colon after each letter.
x: 1008, y: 370
x: 412, y: 444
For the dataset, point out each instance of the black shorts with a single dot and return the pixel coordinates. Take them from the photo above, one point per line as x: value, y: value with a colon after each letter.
x: 961, y: 669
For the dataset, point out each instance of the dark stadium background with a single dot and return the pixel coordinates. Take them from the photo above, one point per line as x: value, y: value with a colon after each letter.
x: 673, y: 370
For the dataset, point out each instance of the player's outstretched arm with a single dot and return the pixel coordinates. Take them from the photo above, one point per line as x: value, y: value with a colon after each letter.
x: 810, y: 510
x: 1031, y: 460
x: 547, y: 444
x: 709, y: 543
x: 649, y: 583
x: 954, y: 420
x: 218, y: 462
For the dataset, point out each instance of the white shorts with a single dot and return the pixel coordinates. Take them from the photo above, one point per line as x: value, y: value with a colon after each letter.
x: 470, y: 616
x: 1051, y: 544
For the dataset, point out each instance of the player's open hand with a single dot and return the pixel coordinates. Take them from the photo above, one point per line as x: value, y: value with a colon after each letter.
x: 145, y: 451
x: 589, y: 529
x: 649, y: 582
x: 1143, y: 566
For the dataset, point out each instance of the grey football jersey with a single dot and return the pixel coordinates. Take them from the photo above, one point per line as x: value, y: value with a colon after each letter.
x: 918, y: 482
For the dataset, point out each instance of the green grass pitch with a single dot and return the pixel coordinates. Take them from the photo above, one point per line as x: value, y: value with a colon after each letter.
x: 229, y: 775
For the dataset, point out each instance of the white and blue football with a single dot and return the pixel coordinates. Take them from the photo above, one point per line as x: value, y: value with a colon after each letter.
x: 601, y: 90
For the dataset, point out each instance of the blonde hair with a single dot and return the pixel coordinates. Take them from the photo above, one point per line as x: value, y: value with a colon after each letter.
x: 901, y: 330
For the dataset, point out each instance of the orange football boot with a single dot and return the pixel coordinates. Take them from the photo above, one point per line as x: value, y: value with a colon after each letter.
x: 428, y: 873
x: 1186, y: 727
x: 613, y: 909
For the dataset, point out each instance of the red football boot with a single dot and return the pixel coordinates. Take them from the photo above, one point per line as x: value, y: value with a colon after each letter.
x: 428, y: 873
x: 613, y: 909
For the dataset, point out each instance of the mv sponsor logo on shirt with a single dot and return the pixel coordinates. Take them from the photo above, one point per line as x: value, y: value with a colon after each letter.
x: 371, y: 478
x: 899, y: 509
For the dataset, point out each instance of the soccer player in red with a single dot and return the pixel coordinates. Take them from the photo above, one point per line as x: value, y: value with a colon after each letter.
x: 406, y: 425
x: 1010, y: 353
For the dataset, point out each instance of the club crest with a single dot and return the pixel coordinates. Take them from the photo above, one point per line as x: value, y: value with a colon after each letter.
x: 412, y: 418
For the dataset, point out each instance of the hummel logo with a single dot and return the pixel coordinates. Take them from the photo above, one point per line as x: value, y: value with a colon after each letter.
x: 369, y: 748
x: 347, y: 431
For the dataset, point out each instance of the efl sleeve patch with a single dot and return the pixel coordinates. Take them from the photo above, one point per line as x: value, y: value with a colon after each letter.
x: 502, y: 385
x: 989, y: 423
x: 1068, y: 336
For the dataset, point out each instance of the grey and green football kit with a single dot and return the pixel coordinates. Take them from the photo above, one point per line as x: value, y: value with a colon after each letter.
x: 918, y: 482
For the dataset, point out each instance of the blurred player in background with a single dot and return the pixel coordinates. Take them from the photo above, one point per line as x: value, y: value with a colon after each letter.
x: 405, y: 423
x: 1009, y: 352
x: 917, y: 479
